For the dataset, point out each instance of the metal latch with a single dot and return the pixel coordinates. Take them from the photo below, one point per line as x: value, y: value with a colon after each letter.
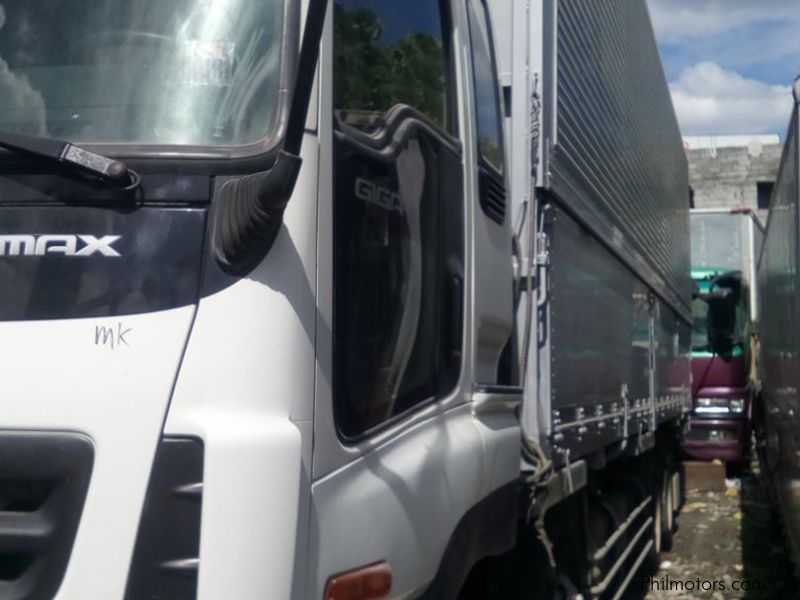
x: 542, y: 249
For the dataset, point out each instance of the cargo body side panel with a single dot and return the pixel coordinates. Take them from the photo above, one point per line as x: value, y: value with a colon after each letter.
x: 598, y: 342
x: 613, y: 152
x: 672, y: 385
x: 719, y: 240
x: 780, y: 338
x: 722, y: 239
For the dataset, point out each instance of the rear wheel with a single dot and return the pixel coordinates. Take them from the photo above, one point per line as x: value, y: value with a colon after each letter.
x: 653, y: 561
x: 663, y: 522
x: 565, y: 590
x: 667, y: 519
x: 658, y: 529
x: 734, y: 468
x: 524, y: 573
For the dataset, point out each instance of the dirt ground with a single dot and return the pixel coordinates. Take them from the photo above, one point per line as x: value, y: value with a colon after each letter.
x: 728, y: 545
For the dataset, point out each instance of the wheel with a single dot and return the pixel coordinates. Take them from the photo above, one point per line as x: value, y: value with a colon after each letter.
x: 734, y: 469
x: 667, y: 512
x: 523, y: 573
x: 652, y: 562
x: 565, y: 590
x: 663, y: 522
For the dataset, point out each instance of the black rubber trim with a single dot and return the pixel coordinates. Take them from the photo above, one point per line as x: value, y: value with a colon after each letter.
x: 166, y: 558
x: 249, y: 215
x: 43, y: 482
x: 250, y: 209
x: 511, y: 390
x: 487, y: 529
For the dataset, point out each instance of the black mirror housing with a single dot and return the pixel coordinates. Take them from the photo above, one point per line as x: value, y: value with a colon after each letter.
x: 721, y: 323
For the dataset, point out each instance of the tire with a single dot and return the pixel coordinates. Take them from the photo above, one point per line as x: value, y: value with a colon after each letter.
x: 565, y: 590
x: 663, y: 523
x: 658, y: 525
x: 734, y: 469
x: 667, y: 512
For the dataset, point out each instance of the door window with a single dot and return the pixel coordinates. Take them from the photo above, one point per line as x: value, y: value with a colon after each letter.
x: 488, y: 114
x: 388, y: 54
x: 398, y: 213
x: 487, y: 96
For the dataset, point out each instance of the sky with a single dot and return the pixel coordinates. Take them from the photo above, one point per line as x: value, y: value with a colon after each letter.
x: 730, y: 63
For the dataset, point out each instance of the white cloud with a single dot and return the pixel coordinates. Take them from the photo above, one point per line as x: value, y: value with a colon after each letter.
x: 680, y: 20
x: 19, y: 99
x: 758, y: 37
x: 711, y: 100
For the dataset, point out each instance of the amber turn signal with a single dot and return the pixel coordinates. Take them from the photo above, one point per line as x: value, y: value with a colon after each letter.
x: 367, y: 583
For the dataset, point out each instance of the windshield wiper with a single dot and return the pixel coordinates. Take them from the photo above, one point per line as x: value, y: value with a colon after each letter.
x: 113, y: 172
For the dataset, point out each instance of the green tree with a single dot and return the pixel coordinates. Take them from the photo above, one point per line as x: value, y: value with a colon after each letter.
x: 372, y: 75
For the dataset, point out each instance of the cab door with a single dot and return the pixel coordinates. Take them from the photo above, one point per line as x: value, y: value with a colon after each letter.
x: 414, y: 463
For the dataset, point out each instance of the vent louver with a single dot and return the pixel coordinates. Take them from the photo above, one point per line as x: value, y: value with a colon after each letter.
x: 166, y: 559
x: 493, y: 197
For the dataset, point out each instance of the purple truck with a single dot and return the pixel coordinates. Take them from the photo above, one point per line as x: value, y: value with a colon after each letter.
x: 725, y: 247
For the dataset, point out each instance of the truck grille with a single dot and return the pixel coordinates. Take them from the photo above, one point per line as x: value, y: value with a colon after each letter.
x: 43, y: 483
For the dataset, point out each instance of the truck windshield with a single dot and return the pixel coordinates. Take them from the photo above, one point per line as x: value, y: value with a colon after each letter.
x: 185, y: 72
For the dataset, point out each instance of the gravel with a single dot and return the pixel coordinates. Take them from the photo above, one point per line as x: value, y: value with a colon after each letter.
x: 728, y: 545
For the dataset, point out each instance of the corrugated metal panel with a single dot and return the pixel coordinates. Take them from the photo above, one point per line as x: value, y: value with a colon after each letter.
x: 599, y: 321
x: 599, y: 334
x: 778, y: 279
x: 780, y: 334
x: 755, y: 292
x: 672, y: 384
x: 615, y: 155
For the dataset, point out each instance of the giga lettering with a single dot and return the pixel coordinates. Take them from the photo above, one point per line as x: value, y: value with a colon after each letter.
x: 378, y: 195
x: 65, y: 245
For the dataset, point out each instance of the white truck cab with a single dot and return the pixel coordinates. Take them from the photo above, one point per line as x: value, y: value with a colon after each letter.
x: 275, y: 327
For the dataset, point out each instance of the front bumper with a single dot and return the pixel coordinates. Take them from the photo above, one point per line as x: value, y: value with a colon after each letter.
x: 711, y: 438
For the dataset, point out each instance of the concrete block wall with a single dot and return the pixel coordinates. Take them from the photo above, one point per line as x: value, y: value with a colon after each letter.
x: 728, y: 177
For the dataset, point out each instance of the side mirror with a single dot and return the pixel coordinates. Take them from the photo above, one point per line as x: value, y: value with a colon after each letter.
x: 696, y: 290
x: 721, y: 322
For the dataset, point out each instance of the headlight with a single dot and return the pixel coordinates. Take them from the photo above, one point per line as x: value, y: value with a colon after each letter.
x: 720, y: 406
x: 737, y: 405
x: 707, y: 406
